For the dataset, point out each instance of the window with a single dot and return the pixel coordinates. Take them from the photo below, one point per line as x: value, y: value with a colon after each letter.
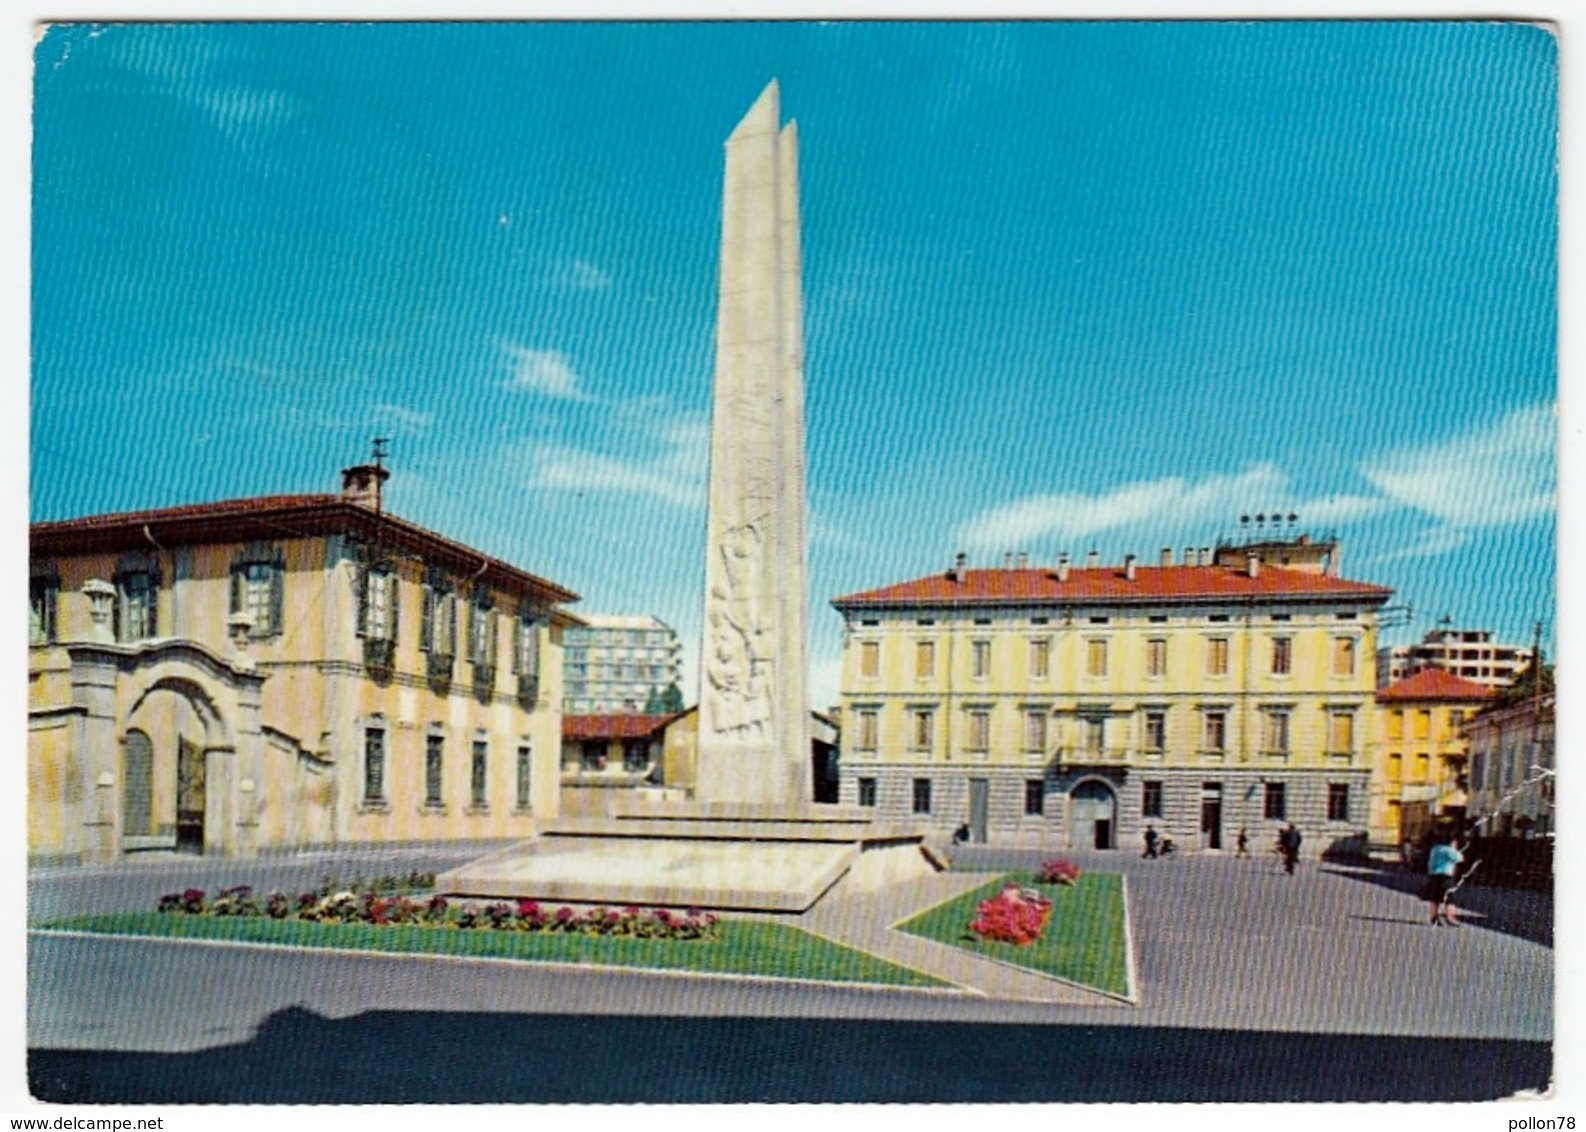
x: 922, y: 795
x: 43, y: 597
x: 374, y: 765
x: 1217, y: 656
x: 1156, y: 656
x: 1034, y: 797
x: 1338, y: 801
x: 434, y: 764
x: 137, y: 604
x: 1396, y: 766
x: 1151, y: 799
x: 1423, y: 724
x: 925, y: 659
x: 1035, y: 730
x: 1155, y: 730
x: 482, y: 630
x: 1040, y: 657
x: 924, y: 728
x: 377, y: 601
x: 870, y: 659
x: 1343, y: 656
x: 867, y: 730
x: 592, y: 754
x: 1096, y: 657
x: 257, y: 581
x: 1478, y: 770
x: 439, y: 631
x: 1396, y: 724
x: 1095, y: 732
x: 635, y: 755
x: 1214, y: 731
x: 1282, y: 655
x: 477, y: 775
x: 525, y: 771
x: 1277, y: 732
x: 1218, y: 617
x: 980, y: 659
x: 979, y: 730
x: 867, y: 792
x: 1341, y: 732
x: 1276, y: 807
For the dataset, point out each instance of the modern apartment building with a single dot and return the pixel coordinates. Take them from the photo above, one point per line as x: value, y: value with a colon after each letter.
x: 1470, y: 654
x: 1071, y: 706
x: 620, y: 665
x: 284, y: 672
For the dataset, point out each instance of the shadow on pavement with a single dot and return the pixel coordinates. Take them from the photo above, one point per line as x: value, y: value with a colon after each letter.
x: 299, y: 1057
x: 1525, y: 913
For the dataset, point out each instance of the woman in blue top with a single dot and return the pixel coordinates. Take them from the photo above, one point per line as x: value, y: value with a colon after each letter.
x: 1441, y: 865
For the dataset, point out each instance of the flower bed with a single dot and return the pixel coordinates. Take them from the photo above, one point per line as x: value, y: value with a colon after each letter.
x: 1057, y: 871
x: 1015, y: 915
x: 395, y: 909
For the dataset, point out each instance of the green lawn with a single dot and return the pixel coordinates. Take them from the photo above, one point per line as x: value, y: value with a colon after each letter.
x: 1083, y: 942
x: 744, y: 947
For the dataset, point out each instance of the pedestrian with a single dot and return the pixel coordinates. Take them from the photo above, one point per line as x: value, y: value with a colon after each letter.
x: 1289, y: 847
x: 1441, y: 865
x: 1150, y: 842
x: 1243, y: 843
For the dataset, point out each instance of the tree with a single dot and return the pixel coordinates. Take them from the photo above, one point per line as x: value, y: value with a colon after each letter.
x: 652, y: 703
x: 672, y: 699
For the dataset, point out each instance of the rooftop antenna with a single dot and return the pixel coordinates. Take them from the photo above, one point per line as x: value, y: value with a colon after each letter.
x: 381, y: 449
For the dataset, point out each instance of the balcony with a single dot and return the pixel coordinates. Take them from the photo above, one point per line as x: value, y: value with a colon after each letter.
x: 1094, y: 756
x: 528, y: 689
x: 379, y: 657
x: 438, y: 667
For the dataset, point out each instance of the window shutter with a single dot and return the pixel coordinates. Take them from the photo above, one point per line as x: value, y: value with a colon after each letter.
x: 154, y: 600
x: 278, y: 595
x: 427, y: 620
x: 362, y: 626
x: 517, y: 645
x: 236, y: 587
x: 394, y: 581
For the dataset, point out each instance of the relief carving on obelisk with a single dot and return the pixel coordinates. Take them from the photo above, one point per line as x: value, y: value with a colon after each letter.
x: 739, y: 664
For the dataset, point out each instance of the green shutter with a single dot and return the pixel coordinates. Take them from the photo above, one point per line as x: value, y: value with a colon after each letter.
x: 236, y: 587
x: 278, y: 596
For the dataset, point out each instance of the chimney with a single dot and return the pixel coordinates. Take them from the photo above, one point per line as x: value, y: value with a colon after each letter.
x: 960, y: 564
x: 1189, y: 556
x: 1252, y: 564
x: 1206, y: 556
x: 1167, y: 556
x: 1128, y: 567
x: 1332, y: 562
x: 1007, y: 560
x: 362, y: 484
x: 1024, y: 560
x: 1092, y: 560
x: 1062, y: 567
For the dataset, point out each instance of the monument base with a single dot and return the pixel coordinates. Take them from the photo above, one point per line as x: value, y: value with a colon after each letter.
x: 719, y: 856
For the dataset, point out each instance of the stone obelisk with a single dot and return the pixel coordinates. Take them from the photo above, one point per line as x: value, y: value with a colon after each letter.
x: 753, y: 719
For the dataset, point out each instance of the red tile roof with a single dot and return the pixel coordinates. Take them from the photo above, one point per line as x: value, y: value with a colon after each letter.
x: 614, y: 726
x: 1434, y: 684
x: 1109, y: 584
x: 276, y: 516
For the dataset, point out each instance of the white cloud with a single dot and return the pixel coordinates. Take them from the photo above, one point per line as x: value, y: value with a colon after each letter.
x: 1145, y: 503
x: 675, y: 474
x: 402, y: 418
x: 547, y: 372
x: 1492, y: 476
x: 577, y: 275
x: 1429, y: 544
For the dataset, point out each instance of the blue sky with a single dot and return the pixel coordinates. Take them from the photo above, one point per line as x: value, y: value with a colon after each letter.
x: 1067, y: 286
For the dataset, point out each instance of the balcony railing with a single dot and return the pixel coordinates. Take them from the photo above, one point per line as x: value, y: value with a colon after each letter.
x: 1095, y: 756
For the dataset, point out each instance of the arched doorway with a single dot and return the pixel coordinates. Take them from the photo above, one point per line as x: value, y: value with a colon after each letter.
x: 1093, y: 816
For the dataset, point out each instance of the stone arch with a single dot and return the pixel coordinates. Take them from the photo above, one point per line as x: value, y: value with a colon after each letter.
x: 1093, y: 814
x: 205, y: 701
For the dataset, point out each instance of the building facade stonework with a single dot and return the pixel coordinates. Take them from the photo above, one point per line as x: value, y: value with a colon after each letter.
x: 1071, y: 707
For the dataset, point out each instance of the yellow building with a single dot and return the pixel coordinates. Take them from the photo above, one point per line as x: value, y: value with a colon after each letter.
x: 1072, y: 707
x: 1421, y: 750
x: 284, y: 672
